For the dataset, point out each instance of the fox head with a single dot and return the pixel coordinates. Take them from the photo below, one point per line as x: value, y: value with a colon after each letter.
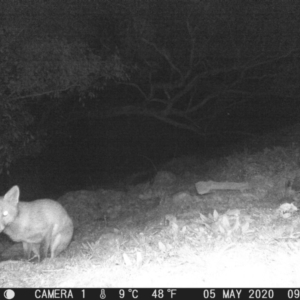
x: 9, y: 207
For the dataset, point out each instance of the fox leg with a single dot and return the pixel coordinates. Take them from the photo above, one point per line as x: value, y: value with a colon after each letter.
x: 48, y: 242
x: 31, y: 247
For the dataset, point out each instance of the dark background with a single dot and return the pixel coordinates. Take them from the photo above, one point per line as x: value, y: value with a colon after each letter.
x: 65, y: 128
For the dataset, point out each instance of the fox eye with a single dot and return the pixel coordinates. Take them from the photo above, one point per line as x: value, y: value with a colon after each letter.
x: 5, y: 213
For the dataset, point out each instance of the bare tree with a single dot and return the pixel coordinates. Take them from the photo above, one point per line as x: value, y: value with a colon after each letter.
x: 195, y: 61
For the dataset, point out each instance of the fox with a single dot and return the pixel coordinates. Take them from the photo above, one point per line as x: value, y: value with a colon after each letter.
x: 42, y: 223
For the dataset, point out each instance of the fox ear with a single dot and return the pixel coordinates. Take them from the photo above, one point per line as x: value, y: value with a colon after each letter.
x: 12, y: 196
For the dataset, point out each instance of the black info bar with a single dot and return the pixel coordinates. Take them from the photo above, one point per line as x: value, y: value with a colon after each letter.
x: 150, y: 293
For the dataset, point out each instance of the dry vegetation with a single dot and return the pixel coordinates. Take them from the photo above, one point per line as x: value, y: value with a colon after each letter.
x: 148, y: 235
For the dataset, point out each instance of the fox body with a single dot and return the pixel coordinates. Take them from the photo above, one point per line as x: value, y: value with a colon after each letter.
x: 38, y: 223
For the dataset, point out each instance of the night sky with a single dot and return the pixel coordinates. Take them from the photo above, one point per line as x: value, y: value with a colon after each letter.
x: 93, y: 91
